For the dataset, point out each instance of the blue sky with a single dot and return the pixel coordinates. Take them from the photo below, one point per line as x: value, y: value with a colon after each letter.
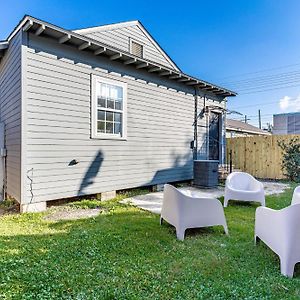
x: 218, y: 41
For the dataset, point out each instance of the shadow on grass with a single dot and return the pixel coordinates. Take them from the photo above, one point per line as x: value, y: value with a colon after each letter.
x: 75, y: 257
x: 215, y: 231
x: 97, y: 257
x: 235, y: 203
x: 297, y: 270
x: 125, y: 253
x: 239, y: 203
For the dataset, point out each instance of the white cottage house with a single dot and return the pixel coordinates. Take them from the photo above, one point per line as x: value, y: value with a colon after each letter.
x: 96, y: 110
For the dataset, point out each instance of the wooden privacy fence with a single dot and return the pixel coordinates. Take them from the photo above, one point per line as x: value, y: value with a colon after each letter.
x: 258, y: 155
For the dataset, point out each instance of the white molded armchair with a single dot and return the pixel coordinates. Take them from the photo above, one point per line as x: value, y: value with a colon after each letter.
x: 243, y: 187
x: 184, y: 211
x: 280, y: 231
x: 296, y: 196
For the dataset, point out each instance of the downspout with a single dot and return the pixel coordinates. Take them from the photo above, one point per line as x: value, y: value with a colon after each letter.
x: 206, y: 112
x: 224, y: 134
x: 195, y: 143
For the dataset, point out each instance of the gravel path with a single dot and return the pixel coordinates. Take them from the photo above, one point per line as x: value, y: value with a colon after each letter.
x: 153, y: 201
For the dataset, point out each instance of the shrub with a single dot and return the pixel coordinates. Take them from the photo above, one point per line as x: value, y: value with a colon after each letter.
x: 291, y: 158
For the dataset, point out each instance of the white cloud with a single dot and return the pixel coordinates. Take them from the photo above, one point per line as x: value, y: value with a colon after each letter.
x: 288, y: 104
x: 284, y: 102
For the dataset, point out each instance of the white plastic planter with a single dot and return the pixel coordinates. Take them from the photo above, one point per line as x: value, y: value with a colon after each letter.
x: 296, y: 196
x: 184, y: 211
x: 280, y: 231
x: 243, y: 187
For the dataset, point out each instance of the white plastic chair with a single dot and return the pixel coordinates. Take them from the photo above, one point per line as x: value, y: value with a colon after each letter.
x: 243, y: 187
x: 280, y: 231
x: 296, y: 196
x: 183, y: 211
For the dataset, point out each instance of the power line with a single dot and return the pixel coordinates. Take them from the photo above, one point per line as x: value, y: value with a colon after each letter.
x: 272, y: 89
x: 262, y: 84
x: 261, y: 71
x: 265, y: 88
x: 266, y: 124
x: 266, y: 83
x: 271, y: 83
x: 265, y: 77
x: 292, y: 100
x: 253, y: 117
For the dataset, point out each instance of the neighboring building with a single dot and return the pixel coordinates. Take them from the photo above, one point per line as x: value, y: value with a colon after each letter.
x: 98, y: 110
x: 236, y: 128
x: 288, y: 123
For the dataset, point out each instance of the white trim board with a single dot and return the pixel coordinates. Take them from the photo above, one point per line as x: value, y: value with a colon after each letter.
x: 94, y: 110
x: 106, y: 27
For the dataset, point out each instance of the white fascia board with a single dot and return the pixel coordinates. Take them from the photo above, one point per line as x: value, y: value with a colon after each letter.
x: 106, y: 27
x: 4, y: 45
x: 21, y: 24
x: 143, y: 29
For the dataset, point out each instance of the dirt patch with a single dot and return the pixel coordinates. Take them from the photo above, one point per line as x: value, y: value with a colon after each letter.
x: 69, y: 213
x: 9, y: 209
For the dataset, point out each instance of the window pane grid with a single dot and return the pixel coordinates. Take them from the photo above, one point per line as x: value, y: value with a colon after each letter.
x: 110, y: 103
x: 109, y: 109
x: 111, y: 123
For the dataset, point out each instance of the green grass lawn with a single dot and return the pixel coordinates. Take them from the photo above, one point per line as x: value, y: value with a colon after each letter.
x: 124, y: 254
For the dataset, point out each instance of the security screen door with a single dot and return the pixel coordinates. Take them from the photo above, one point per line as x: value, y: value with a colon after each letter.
x: 214, y: 135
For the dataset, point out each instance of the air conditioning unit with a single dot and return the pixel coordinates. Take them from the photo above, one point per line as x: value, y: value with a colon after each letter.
x: 206, y: 173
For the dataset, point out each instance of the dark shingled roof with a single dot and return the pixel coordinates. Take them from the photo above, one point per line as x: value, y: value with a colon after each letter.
x: 235, y: 125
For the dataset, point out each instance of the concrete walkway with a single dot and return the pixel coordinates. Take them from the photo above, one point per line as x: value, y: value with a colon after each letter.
x: 153, y: 201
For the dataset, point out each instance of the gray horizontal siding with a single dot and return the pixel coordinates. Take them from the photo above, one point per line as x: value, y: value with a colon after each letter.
x: 119, y: 38
x: 124, y: 183
x: 159, y: 127
x: 10, y: 113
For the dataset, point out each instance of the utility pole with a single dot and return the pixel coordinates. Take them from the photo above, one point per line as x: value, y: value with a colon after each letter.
x: 246, y: 119
x: 259, y: 119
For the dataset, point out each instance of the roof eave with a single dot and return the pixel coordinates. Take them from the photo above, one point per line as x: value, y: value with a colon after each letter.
x: 3, y: 46
x: 39, y: 27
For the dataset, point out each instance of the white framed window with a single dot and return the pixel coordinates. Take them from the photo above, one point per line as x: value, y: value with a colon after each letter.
x: 136, y: 48
x: 109, y: 108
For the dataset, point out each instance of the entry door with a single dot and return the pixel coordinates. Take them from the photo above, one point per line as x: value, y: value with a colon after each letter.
x: 214, y: 136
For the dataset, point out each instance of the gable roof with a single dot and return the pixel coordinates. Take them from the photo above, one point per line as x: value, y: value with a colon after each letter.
x: 137, y: 23
x: 106, y: 27
x: 82, y: 43
x: 235, y: 125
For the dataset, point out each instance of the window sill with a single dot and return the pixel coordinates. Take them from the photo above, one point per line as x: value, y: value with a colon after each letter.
x: 111, y: 137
